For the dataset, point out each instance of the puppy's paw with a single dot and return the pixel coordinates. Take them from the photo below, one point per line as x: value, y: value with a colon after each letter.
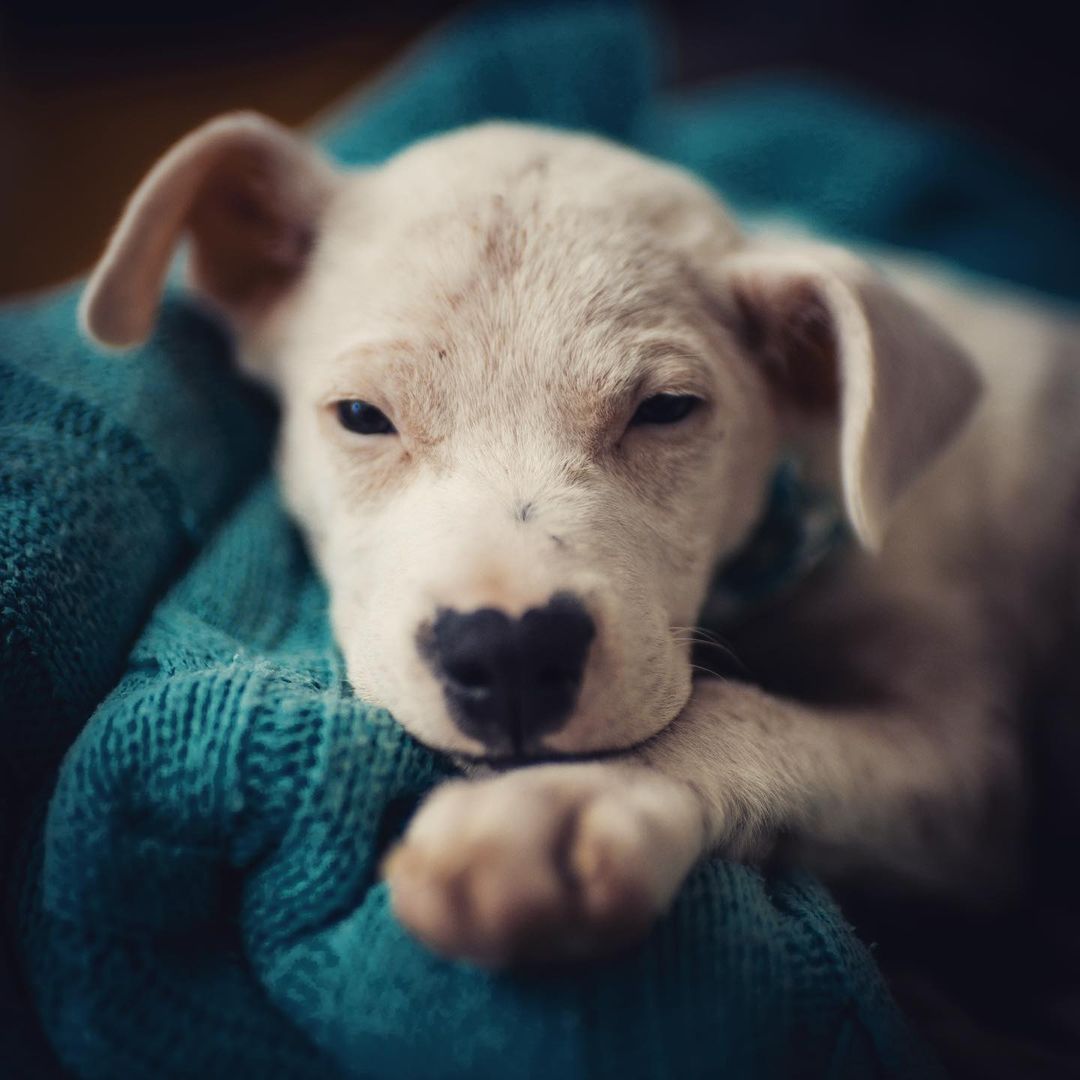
x: 544, y: 863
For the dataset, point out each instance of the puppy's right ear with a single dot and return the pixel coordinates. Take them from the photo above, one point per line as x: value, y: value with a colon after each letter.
x: 247, y: 193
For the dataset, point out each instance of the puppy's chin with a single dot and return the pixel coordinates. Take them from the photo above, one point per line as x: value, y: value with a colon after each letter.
x: 539, y: 756
x: 475, y: 755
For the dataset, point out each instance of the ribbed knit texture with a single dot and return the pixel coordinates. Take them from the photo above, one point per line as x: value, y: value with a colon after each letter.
x: 196, y: 891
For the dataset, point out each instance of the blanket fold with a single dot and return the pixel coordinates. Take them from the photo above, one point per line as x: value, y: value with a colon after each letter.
x: 199, y: 893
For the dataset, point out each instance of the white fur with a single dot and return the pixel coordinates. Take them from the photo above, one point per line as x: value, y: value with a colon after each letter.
x: 508, y: 295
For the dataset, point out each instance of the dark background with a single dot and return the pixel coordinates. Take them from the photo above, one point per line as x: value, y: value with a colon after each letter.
x: 92, y: 93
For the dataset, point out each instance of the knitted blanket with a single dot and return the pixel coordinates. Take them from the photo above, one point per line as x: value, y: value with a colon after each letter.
x: 193, y: 888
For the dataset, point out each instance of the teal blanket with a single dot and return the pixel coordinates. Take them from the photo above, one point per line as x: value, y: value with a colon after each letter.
x: 193, y: 889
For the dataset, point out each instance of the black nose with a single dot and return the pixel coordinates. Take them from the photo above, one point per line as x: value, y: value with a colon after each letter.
x: 509, y: 681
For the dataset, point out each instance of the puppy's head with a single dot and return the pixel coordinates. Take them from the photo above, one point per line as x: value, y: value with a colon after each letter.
x: 533, y: 389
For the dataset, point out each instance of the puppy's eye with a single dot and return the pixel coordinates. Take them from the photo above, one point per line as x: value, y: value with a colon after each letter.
x: 665, y: 409
x: 364, y: 419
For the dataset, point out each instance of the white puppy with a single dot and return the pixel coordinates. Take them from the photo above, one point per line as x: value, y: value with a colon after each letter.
x: 534, y: 390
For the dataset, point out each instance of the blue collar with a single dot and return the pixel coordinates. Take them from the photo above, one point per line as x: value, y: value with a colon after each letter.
x: 800, y: 528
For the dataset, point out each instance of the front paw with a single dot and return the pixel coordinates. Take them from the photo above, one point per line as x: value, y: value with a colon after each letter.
x: 544, y: 863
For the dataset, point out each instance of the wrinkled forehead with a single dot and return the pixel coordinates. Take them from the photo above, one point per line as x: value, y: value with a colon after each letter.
x: 532, y: 267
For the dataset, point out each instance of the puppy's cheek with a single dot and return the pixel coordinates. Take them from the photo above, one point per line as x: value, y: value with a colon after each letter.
x: 408, y: 691
x: 626, y: 705
x: 357, y: 634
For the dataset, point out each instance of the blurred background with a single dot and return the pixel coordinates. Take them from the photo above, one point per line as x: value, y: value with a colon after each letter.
x: 91, y: 94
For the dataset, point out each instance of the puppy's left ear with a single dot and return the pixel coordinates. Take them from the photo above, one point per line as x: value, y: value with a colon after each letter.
x: 838, y: 343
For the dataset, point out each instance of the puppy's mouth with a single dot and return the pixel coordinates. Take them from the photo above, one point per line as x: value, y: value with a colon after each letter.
x: 500, y: 761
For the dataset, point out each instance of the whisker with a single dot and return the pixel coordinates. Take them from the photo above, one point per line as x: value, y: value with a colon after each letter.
x: 708, y: 671
x: 702, y: 639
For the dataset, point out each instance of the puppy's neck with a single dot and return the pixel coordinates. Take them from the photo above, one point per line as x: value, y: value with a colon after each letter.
x: 801, y: 528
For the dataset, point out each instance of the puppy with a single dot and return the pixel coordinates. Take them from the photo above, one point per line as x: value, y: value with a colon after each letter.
x: 534, y: 390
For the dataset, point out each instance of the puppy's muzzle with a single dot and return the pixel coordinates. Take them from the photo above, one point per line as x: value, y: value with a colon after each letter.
x: 508, y: 682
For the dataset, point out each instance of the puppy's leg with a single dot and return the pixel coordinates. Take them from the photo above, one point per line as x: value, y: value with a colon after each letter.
x: 926, y: 796
x: 544, y: 862
x: 559, y: 860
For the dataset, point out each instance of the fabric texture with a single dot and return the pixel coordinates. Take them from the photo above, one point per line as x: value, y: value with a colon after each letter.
x: 193, y: 890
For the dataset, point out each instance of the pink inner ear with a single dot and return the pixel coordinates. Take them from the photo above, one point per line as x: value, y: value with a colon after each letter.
x: 248, y: 195
x: 253, y: 230
x: 787, y: 328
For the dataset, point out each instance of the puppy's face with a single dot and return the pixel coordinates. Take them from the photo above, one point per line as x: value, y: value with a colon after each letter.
x: 533, y: 386
x: 519, y: 433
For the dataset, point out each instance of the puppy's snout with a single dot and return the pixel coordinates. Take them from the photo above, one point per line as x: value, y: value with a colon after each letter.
x: 510, y: 681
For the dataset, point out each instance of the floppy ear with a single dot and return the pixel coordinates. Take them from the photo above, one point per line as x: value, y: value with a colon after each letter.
x: 247, y: 193
x: 837, y: 342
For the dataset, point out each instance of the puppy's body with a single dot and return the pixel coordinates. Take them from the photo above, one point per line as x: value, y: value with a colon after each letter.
x: 574, y: 376
x: 928, y: 646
